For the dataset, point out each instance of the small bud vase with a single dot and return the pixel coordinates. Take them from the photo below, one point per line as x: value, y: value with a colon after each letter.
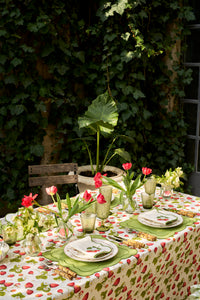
x: 65, y: 230
x: 129, y: 204
x: 166, y: 191
x: 32, y: 244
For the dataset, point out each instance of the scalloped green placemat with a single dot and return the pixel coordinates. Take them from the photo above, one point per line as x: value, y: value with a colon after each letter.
x: 88, y: 268
x: 161, y: 233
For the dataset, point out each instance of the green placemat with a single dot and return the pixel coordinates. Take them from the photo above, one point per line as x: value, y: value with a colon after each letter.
x: 88, y: 268
x: 161, y: 233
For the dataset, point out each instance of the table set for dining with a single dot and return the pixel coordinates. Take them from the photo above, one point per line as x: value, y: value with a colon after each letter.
x: 149, y: 254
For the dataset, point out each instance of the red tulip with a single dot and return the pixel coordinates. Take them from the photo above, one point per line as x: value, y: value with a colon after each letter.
x: 127, y: 166
x: 101, y: 199
x: 98, y: 183
x: 146, y: 171
x: 28, y: 200
x: 87, y: 196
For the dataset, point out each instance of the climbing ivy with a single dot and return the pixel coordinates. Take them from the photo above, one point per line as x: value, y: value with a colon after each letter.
x: 57, y: 56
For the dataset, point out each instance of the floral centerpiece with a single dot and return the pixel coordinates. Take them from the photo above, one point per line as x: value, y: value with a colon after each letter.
x: 170, y: 180
x: 27, y: 222
x: 62, y: 218
x: 128, y: 188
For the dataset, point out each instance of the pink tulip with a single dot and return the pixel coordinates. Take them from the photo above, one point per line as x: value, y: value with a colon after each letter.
x: 127, y: 166
x: 51, y: 190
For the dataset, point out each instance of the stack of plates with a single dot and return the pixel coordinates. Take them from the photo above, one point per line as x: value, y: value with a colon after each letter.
x: 160, y: 218
x: 92, y: 250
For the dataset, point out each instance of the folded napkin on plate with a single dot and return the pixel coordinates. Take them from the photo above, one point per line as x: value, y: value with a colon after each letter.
x: 87, y: 247
x: 161, y: 232
x: 88, y: 268
x: 158, y: 217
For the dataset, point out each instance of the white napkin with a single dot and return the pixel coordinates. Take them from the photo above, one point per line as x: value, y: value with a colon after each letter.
x: 89, y: 248
x: 158, y: 217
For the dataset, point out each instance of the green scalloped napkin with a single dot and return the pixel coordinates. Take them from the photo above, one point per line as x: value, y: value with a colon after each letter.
x: 161, y: 233
x: 88, y: 268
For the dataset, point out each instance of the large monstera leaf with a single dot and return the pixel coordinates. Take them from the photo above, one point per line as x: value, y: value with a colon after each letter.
x: 101, y: 115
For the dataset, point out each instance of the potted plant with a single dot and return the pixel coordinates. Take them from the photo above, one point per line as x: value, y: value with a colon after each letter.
x: 101, y: 118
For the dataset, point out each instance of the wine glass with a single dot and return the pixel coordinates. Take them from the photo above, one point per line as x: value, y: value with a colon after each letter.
x: 104, y: 209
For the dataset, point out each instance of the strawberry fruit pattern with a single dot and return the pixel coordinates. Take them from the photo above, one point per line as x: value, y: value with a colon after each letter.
x: 163, y: 269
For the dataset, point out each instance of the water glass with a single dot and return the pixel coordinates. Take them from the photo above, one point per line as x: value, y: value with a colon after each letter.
x: 147, y: 200
x: 88, y: 222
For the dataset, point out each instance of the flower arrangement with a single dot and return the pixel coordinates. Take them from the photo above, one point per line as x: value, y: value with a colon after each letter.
x: 171, y: 178
x: 101, y: 118
x: 27, y: 222
x: 76, y: 207
x: 129, y: 186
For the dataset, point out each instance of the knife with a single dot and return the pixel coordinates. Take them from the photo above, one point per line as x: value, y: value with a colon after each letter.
x: 116, y: 238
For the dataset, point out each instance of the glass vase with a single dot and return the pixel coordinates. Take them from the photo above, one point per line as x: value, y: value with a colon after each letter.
x: 64, y: 230
x: 166, y: 191
x: 129, y: 204
x: 32, y: 244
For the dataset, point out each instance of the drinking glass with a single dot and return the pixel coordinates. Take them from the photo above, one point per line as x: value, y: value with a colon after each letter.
x: 88, y: 222
x: 104, y: 209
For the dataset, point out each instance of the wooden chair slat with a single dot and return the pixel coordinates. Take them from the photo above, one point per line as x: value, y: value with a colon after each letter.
x: 52, y: 180
x: 54, y: 174
x: 53, y: 168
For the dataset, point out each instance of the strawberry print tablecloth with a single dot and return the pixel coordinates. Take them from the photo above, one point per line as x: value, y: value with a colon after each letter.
x: 164, y: 269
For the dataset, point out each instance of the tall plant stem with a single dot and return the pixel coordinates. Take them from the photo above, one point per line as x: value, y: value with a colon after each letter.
x: 97, y: 154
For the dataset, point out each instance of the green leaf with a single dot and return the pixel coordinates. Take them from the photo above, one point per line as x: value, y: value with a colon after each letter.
x: 16, y: 61
x: 17, y: 109
x: 138, y: 94
x: 101, y: 115
x: 37, y: 150
x: 80, y: 55
x: 124, y: 154
x: 3, y: 32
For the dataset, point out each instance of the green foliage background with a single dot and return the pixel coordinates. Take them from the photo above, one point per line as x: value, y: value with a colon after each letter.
x: 84, y: 48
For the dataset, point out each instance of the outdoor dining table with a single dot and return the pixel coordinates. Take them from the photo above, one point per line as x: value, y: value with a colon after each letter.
x: 164, y: 268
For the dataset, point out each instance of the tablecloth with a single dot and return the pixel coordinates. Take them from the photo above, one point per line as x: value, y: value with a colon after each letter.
x: 163, y: 269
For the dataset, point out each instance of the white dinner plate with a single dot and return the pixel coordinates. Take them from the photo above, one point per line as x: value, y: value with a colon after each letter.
x: 68, y: 250
x: 143, y: 219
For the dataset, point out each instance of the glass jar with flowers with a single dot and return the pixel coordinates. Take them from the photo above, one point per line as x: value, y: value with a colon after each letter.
x: 169, y: 181
x: 128, y: 186
x: 65, y: 228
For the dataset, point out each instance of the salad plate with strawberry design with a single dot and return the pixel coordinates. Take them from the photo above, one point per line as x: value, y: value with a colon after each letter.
x: 91, y: 249
x: 160, y: 218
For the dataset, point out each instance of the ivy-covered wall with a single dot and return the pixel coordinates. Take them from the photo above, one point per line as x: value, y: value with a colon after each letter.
x: 57, y: 56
